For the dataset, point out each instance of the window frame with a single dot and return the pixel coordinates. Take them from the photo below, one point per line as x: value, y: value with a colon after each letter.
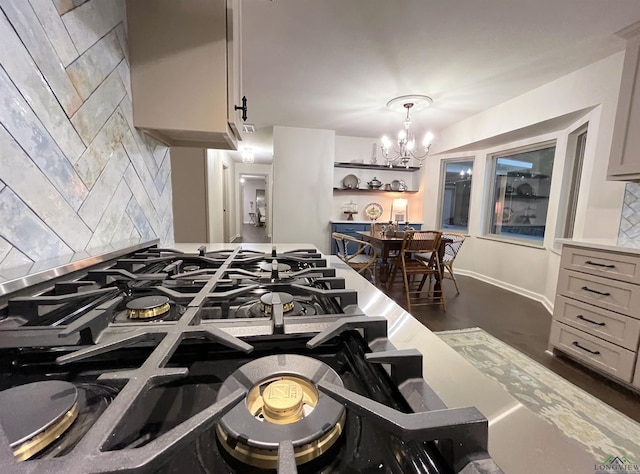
x: 572, y: 177
x: 443, y: 174
x: 489, y: 202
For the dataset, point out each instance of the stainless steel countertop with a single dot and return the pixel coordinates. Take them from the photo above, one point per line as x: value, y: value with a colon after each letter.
x: 602, y: 244
x: 17, y: 278
x: 519, y: 441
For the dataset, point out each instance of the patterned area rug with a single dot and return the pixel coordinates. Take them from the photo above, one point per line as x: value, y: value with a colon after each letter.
x: 602, y: 430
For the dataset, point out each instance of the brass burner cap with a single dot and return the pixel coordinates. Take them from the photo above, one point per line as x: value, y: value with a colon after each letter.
x: 270, y: 266
x: 283, y: 401
x: 34, y: 415
x: 269, y: 300
x: 147, y: 307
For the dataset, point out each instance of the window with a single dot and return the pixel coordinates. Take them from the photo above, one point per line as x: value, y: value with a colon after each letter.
x: 573, y: 172
x: 520, y: 192
x: 456, y: 194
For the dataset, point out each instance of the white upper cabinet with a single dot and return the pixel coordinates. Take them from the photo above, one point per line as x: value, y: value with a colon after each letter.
x: 624, y: 160
x: 186, y: 70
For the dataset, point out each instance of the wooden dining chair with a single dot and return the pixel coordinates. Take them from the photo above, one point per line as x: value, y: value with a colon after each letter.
x: 451, y: 250
x: 358, y: 254
x: 419, y: 242
x: 452, y: 245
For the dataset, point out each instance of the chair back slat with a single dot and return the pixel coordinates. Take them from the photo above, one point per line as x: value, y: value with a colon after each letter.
x: 421, y: 241
x: 358, y: 254
x: 341, y: 244
x: 452, y: 248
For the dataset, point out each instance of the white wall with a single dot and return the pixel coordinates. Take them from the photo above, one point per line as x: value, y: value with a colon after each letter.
x: 255, y: 169
x: 533, y: 271
x: 216, y: 161
x: 302, y: 185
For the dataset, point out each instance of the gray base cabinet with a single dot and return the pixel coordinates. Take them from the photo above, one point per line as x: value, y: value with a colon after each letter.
x: 596, y: 316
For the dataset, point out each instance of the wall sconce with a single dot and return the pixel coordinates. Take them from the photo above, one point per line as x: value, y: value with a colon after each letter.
x: 399, y: 211
x: 247, y: 155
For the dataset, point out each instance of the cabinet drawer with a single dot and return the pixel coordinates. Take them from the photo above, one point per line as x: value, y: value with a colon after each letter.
x: 346, y: 228
x: 613, y: 265
x: 614, y: 295
x: 613, y: 327
x: 593, y: 351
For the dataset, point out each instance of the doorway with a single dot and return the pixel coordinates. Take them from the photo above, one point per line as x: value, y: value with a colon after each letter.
x: 253, y: 203
x: 225, y: 203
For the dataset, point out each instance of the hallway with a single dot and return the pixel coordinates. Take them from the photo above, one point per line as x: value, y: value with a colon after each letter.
x: 254, y: 235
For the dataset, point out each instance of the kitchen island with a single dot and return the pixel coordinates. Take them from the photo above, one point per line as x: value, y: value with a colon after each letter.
x: 519, y: 441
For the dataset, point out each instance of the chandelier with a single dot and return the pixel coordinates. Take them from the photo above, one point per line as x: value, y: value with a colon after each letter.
x: 405, y: 148
x: 247, y: 155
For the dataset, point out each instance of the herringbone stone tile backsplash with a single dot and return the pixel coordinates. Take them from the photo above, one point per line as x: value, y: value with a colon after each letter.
x: 75, y: 174
x: 629, y: 233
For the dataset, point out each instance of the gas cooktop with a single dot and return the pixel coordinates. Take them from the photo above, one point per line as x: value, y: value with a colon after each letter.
x: 217, y: 361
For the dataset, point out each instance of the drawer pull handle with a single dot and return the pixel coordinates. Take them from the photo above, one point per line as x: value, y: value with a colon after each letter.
x: 586, y: 288
x: 577, y: 344
x: 589, y: 262
x: 590, y: 321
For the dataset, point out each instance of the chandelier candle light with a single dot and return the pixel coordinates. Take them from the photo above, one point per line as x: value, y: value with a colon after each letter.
x: 405, y: 147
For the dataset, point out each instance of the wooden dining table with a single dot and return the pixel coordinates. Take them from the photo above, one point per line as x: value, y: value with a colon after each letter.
x: 387, y: 243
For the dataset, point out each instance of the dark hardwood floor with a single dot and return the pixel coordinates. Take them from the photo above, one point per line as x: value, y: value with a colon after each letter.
x: 523, y: 324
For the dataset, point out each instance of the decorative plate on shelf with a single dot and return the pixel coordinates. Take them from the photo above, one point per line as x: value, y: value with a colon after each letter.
x: 525, y: 189
x: 373, y: 210
x: 507, y: 214
x: 350, y: 181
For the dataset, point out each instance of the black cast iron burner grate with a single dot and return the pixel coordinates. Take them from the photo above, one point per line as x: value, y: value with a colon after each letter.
x: 81, y: 311
x: 461, y: 433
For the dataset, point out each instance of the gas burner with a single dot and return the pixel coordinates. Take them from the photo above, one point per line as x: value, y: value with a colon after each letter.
x: 190, y: 268
x: 268, y: 267
x: 254, y: 308
x: 290, y: 306
x: 46, y: 419
x: 148, y: 307
x: 268, y: 300
x: 285, y: 405
x: 36, y: 414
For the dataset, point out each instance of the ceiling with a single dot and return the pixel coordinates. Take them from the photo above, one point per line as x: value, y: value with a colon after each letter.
x: 334, y: 64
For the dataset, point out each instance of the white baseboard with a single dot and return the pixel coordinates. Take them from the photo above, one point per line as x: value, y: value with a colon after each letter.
x: 237, y: 236
x: 548, y: 305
